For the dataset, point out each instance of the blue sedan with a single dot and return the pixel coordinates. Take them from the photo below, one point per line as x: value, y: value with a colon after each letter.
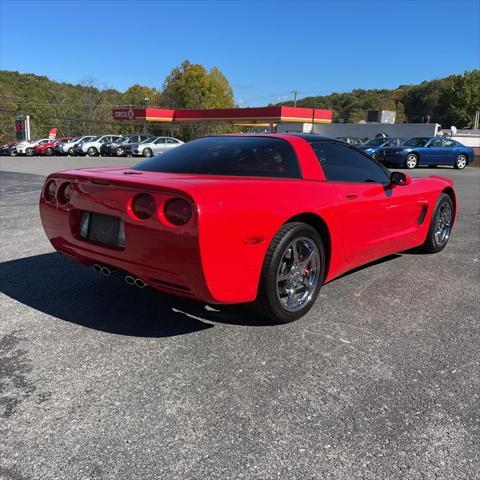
x: 427, y: 151
x: 375, y: 144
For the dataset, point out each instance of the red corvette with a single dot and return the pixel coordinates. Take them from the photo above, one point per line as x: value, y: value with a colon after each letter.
x: 261, y: 219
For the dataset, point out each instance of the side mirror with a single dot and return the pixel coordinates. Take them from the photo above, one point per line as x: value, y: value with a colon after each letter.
x: 399, y: 178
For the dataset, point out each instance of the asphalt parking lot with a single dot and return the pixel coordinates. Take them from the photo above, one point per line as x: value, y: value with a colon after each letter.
x: 99, y: 380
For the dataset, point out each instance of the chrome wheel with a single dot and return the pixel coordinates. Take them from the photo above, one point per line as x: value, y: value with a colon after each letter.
x: 411, y: 161
x: 443, y: 224
x: 298, y: 273
x: 461, y: 162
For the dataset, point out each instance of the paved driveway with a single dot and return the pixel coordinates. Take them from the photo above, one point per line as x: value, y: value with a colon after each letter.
x: 100, y: 380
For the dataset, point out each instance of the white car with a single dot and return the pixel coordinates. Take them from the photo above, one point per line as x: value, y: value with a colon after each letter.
x: 67, y: 147
x: 26, y: 147
x: 92, y: 147
x: 155, y: 147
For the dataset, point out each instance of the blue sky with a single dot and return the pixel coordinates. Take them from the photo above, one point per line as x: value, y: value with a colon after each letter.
x: 265, y: 48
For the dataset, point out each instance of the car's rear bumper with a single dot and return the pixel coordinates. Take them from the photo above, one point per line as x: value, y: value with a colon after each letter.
x: 161, y: 257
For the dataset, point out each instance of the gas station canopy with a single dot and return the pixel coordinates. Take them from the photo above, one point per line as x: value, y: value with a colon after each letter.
x: 270, y: 115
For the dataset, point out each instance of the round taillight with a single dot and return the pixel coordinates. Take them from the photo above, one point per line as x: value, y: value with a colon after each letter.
x: 178, y: 211
x: 65, y: 192
x: 50, y: 190
x: 144, y: 206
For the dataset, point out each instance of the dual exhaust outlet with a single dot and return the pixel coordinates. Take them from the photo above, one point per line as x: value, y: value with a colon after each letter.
x: 129, y: 280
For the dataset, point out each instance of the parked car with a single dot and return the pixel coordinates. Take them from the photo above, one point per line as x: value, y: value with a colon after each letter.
x: 130, y: 147
x: 118, y: 147
x: 67, y: 148
x: 373, y: 145
x: 49, y: 147
x: 256, y: 204
x: 92, y: 147
x: 26, y: 147
x: 433, y: 151
x: 352, y: 140
x: 77, y: 149
x: 154, y: 146
x: 8, y: 149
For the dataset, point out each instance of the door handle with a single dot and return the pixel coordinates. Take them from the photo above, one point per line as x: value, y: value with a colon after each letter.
x: 351, y: 195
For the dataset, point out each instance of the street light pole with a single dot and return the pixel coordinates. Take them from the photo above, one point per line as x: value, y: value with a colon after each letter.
x: 146, y: 99
x: 295, y: 93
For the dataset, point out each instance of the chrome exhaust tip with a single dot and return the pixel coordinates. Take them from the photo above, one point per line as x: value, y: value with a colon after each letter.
x: 106, y: 271
x: 97, y: 268
x: 129, y: 280
x: 140, y: 283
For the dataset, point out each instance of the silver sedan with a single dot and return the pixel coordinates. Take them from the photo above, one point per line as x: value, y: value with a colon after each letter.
x: 155, y: 147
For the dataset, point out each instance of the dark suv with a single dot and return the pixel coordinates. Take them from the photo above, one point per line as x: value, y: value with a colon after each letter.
x: 119, y: 147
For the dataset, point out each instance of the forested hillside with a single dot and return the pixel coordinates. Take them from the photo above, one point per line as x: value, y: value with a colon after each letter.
x: 449, y: 101
x: 86, y: 108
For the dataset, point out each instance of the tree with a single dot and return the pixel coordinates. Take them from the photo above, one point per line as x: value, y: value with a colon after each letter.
x: 193, y: 86
x: 136, y: 96
x: 460, y: 99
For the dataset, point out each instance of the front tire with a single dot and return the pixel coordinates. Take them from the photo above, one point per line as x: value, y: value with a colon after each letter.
x: 49, y: 152
x: 411, y: 161
x: 120, y: 152
x: 147, y: 152
x: 71, y: 152
x: 440, y: 225
x: 460, y: 162
x: 292, y: 274
x: 92, y: 152
x: 29, y: 152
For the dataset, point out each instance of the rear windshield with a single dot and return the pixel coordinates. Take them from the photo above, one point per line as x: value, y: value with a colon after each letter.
x: 236, y: 155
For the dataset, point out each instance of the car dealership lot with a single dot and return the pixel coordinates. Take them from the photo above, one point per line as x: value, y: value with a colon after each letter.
x: 101, y: 380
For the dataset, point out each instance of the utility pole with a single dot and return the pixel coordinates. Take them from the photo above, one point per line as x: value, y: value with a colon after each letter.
x: 476, y: 121
x: 295, y: 93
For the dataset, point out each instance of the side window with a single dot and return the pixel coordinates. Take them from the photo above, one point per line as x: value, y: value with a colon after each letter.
x: 160, y: 141
x: 341, y: 163
x: 171, y: 140
x: 449, y: 143
x: 437, y: 142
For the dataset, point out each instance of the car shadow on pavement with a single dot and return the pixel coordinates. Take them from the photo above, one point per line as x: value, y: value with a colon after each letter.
x: 68, y: 291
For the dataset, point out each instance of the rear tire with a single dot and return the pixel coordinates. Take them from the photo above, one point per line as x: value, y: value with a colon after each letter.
x: 411, y: 161
x: 120, y: 152
x: 92, y: 152
x: 29, y: 152
x: 292, y: 274
x: 49, y: 151
x: 460, y: 162
x: 71, y: 152
x: 441, y: 225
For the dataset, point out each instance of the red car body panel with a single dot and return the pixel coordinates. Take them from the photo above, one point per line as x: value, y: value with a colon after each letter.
x: 217, y: 257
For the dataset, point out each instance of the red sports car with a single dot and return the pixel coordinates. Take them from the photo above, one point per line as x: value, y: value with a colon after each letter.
x: 257, y: 219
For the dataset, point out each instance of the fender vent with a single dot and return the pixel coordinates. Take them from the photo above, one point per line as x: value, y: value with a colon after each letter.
x: 421, y: 218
